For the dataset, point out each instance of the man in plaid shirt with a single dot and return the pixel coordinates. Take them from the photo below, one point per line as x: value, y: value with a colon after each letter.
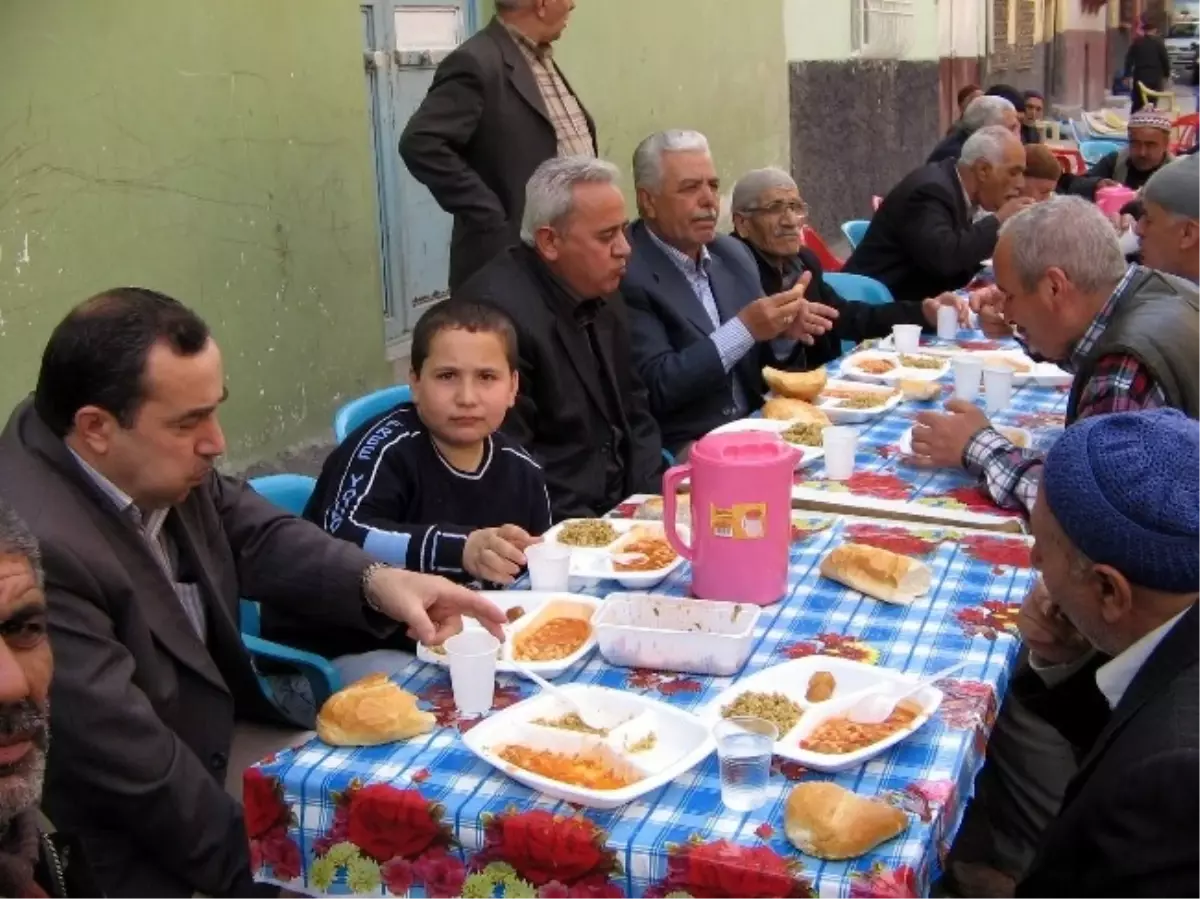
x: 1128, y: 334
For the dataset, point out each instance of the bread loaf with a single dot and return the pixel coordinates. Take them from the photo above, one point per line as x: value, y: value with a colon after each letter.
x: 797, y: 385
x: 920, y: 390
x: 885, y: 575
x: 371, y: 711
x: 828, y: 821
x: 784, y: 409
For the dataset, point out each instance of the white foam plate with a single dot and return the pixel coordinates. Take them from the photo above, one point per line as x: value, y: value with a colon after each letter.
x: 851, y: 367
x: 682, y: 741
x: 852, y: 678
x: 593, y: 564
x: 1025, y: 370
x: 537, y: 606
x: 771, y: 426
x: 842, y: 416
x: 1017, y: 436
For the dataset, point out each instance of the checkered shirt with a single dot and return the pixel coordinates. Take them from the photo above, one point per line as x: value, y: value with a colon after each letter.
x: 566, y: 115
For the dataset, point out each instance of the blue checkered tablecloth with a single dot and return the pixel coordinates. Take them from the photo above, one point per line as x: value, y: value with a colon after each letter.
x: 680, y: 835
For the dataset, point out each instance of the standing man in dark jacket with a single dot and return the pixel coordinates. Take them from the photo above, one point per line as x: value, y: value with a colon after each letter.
x: 581, y: 409
x: 498, y: 107
x: 1146, y: 61
x: 768, y: 213
x: 929, y: 236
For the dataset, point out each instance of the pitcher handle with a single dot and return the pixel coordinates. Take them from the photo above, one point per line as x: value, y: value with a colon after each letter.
x: 671, y: 481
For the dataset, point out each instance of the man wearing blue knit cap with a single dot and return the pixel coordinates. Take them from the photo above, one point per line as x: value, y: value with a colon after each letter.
x: 1117, y: 530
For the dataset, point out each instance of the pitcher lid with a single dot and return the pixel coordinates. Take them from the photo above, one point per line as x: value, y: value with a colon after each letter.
x: 748, y: 448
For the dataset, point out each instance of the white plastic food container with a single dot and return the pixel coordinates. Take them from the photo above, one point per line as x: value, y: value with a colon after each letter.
x: 699, y: 636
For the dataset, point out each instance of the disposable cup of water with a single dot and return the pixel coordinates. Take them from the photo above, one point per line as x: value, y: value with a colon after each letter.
x: 907, y: 338
x: 997, y: 387
x: 745, y: 747
x: 947, y: 322
x: 841, y: 445
x: 967, y: 372
x: 471, y: 655
x: 549, y: 566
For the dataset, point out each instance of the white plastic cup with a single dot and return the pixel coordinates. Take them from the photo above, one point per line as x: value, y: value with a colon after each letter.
x: 967, y: 372
x: 840, y: 444
x: 907, y: 338
x: 549, y: 566
x: 997, y: 387
x: 745, y: 747
x: 947, y: 322
x: 471, y: 655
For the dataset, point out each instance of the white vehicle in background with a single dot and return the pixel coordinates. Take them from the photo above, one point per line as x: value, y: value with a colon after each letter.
x: 1183, y: 45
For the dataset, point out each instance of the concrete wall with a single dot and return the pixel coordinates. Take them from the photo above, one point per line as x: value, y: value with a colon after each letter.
x: 883, y: 111
x: 711, y: 65
x: 214, y: 150
x: 1082, y: 70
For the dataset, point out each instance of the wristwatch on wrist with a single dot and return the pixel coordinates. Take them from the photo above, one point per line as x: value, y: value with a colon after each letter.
x: 365, y: 582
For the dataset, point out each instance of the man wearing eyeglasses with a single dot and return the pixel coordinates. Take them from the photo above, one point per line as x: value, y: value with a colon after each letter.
x: 701, y: 330
x: 768, y: 215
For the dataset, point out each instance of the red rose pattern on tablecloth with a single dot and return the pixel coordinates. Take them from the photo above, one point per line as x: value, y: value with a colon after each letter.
x: 557, y: 855
x: 979, y: 346
x: 878, y: 485
x: 666, y: 684
x: 884, y: 883
x: 1015, y: 552
x: 787, y: 769
x: 967, y: 704
x: 906, y: 541
x: 923, y: 798
x: 804, y: 527
x: 839, y: 645
x: 268, y: 818
x: 720, y: 868
x: 1035, y: 420
x: 990, y: 620
x: 441, y: 701
x: 969, y: 497
x: 764, y: 831
x: 678, y: 685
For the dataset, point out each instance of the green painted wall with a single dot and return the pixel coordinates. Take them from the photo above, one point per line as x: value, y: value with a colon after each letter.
x: 717, y: 66
x: 216, y: 150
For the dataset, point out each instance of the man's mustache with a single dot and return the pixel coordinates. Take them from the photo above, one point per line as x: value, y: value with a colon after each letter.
x: 24, y: 720
x: 706, y: 216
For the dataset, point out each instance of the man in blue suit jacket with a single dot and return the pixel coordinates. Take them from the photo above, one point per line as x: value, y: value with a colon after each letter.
x: 700, y: 326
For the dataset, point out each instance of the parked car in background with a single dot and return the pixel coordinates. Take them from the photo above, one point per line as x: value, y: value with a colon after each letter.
x: 1183, y: 47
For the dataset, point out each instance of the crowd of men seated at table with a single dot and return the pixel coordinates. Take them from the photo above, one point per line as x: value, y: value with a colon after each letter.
x: 576, y: 347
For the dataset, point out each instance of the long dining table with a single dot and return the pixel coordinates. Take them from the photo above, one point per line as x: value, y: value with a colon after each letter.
x: 427, y: 817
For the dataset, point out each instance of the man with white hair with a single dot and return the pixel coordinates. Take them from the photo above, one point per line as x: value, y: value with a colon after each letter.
x: 768, y: 214
x: 702, y: 330
x: 927, y: 237
x: 1169, y: 229
x: 498, y: 107
x: 983, y: 112
x: 581, y: 410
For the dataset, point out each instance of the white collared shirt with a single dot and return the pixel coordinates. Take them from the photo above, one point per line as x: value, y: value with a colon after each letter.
x: 1114, y: 677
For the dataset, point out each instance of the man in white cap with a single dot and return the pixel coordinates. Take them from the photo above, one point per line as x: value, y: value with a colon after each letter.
x: 1131, y: 166
x: 1169, y: 228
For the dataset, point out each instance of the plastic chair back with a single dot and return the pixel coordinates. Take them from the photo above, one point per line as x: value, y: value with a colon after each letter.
x: 855, y: 231
x: 290, y: 492
x: 1185, y: 128
x: 859, y: 288
x: 812, y: 240
x: 355, y: 412
x: 1093, y: 151
x: 1162, y: 100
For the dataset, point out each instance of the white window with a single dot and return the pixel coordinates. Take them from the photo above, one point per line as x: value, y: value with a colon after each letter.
x: 881, y: 29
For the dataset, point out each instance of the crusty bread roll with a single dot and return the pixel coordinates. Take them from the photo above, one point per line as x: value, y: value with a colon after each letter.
x: 786, y: 409
x: 920, y: 390
x: 798, y: 385
x: 371, y: 711
x: 830, y: 822
x: 885, y: 575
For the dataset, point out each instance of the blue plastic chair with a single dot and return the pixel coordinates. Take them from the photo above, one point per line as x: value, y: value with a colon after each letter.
x: 855, y: 231
x: 290, y: 492
x: 1093, y: 151
x: 858, y: 289
x: 355, y: 412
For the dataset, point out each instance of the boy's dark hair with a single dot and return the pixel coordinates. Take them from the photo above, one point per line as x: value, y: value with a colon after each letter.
x: 97, y: 354
x: 966, y: 91
x: 1009, y: 93
x: 461, y: 315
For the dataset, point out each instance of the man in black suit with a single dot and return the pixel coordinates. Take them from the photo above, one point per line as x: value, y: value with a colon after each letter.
x: 768, y: 213
x: 933, y: 231
x: 147, y: 551
x: 982, y: 112
x: 1116, y: 529
x: 498, y: 107
x: 581, y: 409
x: 701, y: 328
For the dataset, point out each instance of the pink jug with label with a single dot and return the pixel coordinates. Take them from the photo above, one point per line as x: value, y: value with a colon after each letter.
x: 1110, y: 200
x: 741, y: 531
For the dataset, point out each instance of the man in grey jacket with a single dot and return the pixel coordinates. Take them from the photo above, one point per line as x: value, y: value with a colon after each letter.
x: 147, y: 551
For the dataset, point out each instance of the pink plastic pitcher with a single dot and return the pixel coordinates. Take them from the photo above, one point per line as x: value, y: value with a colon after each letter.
x: 741, y: 516
x: 1110, y: 200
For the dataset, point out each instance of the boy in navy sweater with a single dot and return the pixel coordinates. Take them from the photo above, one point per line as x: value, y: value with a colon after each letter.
x: 431, y: 485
